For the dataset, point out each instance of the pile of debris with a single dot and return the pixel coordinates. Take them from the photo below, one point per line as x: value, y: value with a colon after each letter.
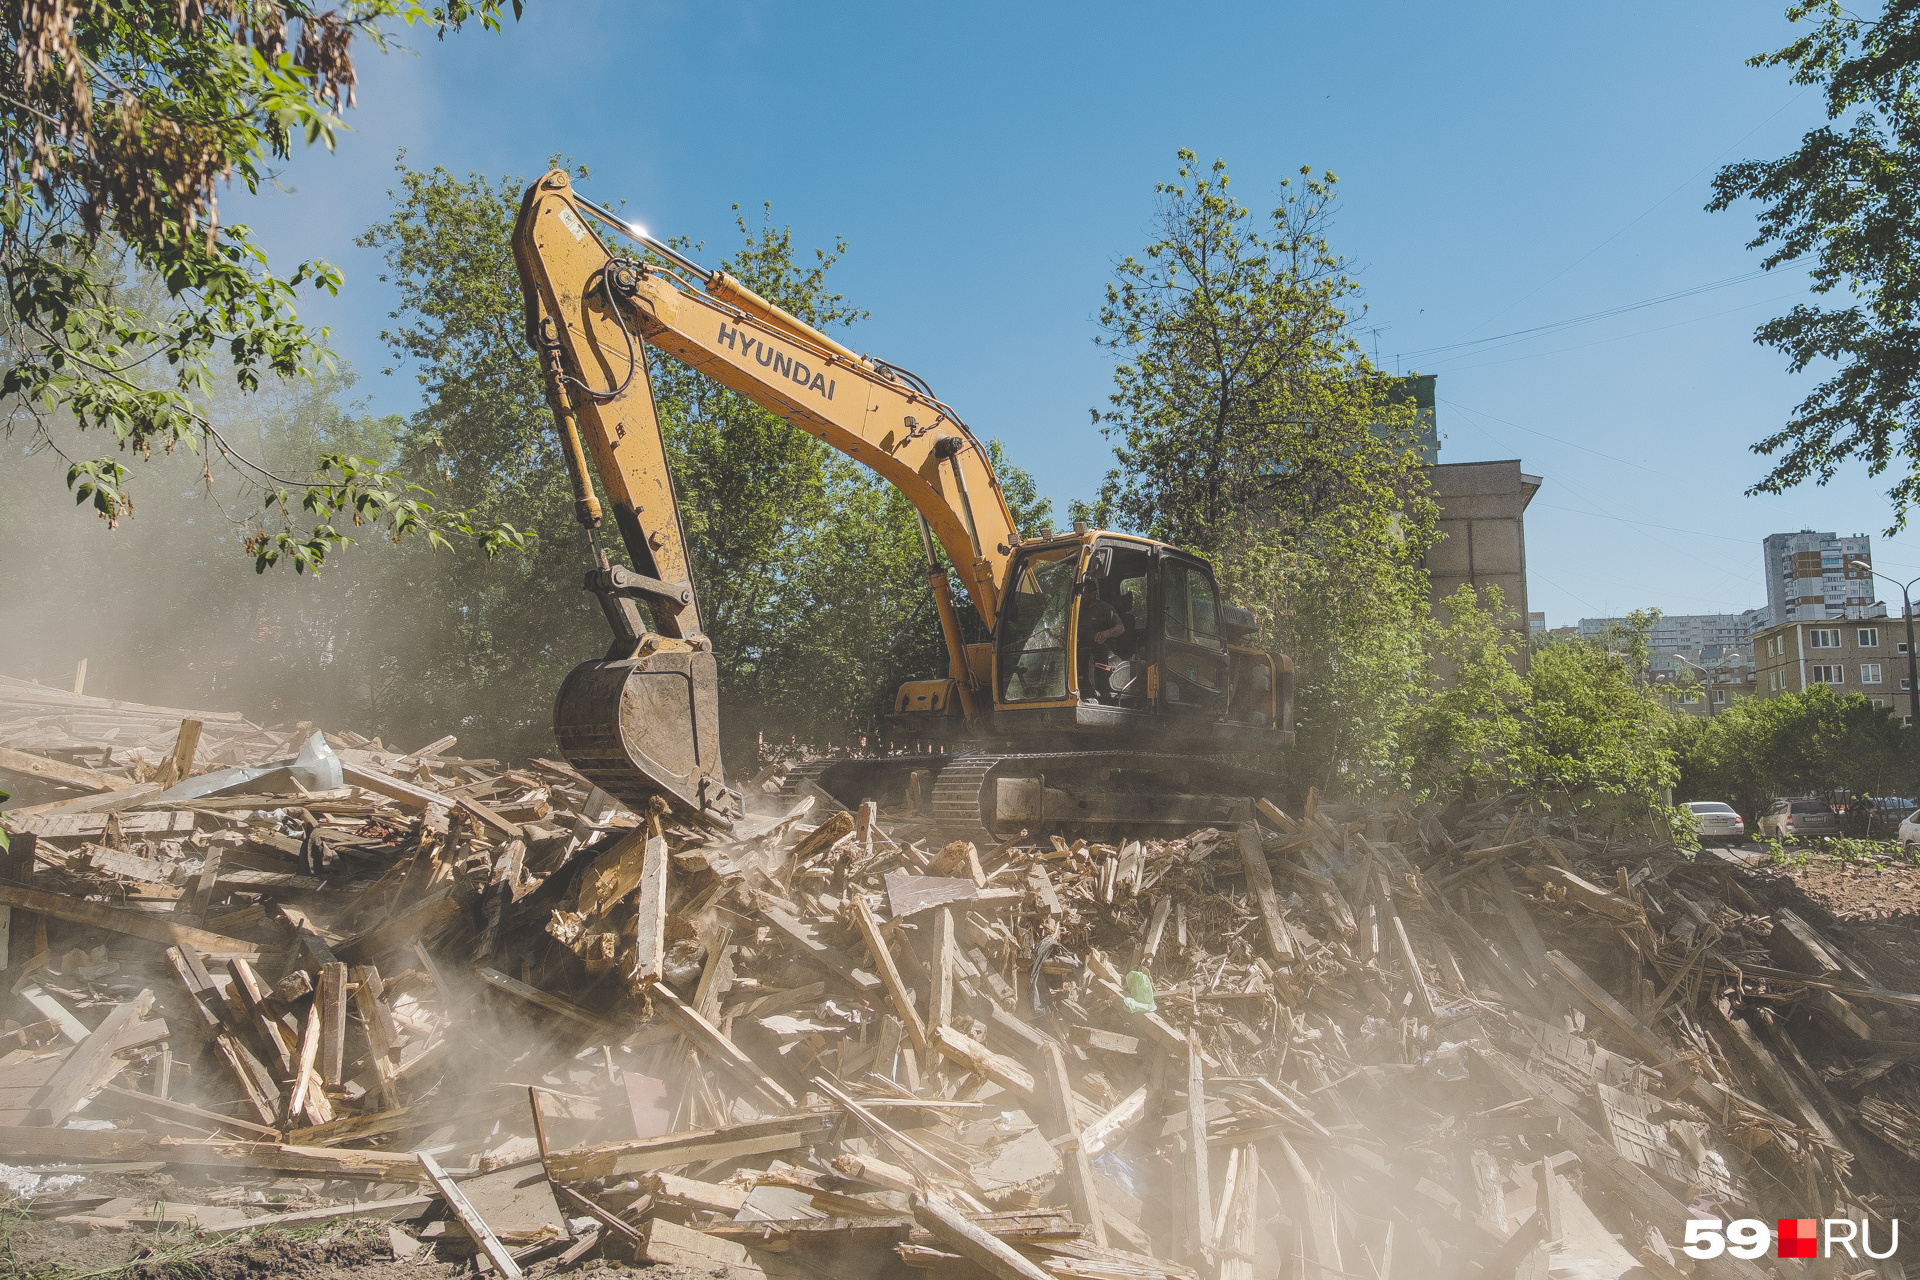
x: 293, y: 976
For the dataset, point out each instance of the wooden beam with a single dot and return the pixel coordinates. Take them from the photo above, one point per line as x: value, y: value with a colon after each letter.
x: 1260, y: 881
x: 60, y: 772
x: 416, y: 921
x: 1100, y: 1135
x: 1199, y: 1184
x: 998, y: 1258
x: 898, y: 990
x: 475, y: 1225
x: 1082, y: 1190
x: 80, y: 1074
x: 179, y: 762
x: 144, y: 1104
x: 943, y: 965
x: 818, y: 951
x: 711, y: 1041
x: 976, y: 1057
x: 378, y: 1024
x: 135, y: 924
x: 330, y: 1006
x: 1648, y: 1042
x: 533, y: 995
x: 670, y: 1151
x: 651, y: 939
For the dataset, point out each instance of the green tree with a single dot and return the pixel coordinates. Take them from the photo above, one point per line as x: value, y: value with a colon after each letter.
x: 121, y: 120
x: 1849, y: 197
x: 1250, y: 429
x: 1599, y: 732
x: 1818, y: 742
x: 1473, y: 725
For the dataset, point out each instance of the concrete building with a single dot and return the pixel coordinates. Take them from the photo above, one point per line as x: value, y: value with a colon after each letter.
x: 1483, y: 532
x: 1852, y: 655
x: 1809, y: 576
x: 1680, y: 632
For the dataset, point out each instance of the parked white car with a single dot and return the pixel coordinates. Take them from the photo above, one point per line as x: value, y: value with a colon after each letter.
x: 1910, y: 832
x: 1717, y: 823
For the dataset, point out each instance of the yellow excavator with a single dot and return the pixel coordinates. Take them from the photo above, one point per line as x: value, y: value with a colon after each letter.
x: 1115, y: 687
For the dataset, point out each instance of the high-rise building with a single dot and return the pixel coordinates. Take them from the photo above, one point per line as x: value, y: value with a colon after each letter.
x: 1811, y: 576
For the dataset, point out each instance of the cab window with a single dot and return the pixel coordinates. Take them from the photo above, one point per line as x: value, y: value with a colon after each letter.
x: 1033, y: 646
x: 1190, y: 606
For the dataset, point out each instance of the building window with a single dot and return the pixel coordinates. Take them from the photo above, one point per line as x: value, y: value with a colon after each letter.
x: 1835, y: 674
x: 1869, y: 637
x: 1869, y: 673
x: 1824, y: 638
x: 1901, y: 648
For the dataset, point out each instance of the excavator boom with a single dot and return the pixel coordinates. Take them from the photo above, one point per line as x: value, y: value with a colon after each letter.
x: 643, y: 720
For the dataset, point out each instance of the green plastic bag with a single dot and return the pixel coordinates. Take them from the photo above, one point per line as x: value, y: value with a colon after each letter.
x: 1139, y: 993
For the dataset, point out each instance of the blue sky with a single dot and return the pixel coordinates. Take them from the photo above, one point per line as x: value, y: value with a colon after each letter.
x: 1502, y: 166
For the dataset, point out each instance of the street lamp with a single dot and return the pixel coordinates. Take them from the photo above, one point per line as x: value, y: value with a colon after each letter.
x: 1703, y: 671
x: 1913, y: 660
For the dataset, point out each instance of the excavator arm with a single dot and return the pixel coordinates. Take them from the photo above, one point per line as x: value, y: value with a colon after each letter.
x: 643, y: 720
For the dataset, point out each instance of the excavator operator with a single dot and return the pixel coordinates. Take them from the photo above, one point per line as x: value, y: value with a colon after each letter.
x: 1100, y: 626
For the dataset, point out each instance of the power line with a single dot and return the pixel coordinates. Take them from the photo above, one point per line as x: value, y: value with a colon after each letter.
x: 1556, y: 439
x: 1684, y: 183
x: 1637, y: 333
x: 1608, y: 313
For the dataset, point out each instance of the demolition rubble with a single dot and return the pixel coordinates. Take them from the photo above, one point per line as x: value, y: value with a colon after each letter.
x: 268, y: 978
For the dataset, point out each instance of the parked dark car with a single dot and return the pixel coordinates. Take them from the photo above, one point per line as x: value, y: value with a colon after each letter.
x: 1799, y: 820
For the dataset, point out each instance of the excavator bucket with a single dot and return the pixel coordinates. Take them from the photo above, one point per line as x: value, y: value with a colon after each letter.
x: 648, y: 726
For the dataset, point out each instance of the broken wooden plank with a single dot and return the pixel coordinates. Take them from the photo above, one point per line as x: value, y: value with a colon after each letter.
x: 470, y: 1219
x: 650, y: 952
x: 1645, y: 1040
x: 135, y: 924
x: 1585, y: 892
x: 897, y: 990
x: 643, y: 1155
x: 533, y: 995
x: 1082, y: 1191
x: 727, y: 1055
x: 976, y: 1057
x: 818, y: 951
x: 416, y: 921
x: 330, y: 1006
x: 998, y: 1258
x: 1260, y: 882
x: 1198, y: 1211
x: 82, y: 1072
x: 60, y: 773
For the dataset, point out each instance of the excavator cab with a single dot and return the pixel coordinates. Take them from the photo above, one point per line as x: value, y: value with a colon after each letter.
x: 1104, y: 634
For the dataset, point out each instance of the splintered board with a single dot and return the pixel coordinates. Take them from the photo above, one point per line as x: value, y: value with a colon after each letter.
x: 72, y: 826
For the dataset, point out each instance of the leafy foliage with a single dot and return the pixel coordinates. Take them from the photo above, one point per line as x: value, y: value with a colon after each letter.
x: 127, y: 300
x: 1249, y: 428
x: 1598, y: 726
x: 1816, y: 743
x: 1849, y: 195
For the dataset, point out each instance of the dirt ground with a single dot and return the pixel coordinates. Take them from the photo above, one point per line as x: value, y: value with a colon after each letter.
x: 1871, y: 905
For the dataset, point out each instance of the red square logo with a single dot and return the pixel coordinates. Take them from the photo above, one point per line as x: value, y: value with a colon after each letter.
x: 1799, y: 1238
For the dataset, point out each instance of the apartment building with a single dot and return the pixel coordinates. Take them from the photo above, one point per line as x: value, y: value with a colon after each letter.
x: 1812, y: 576
x: 1681, y: 632
x: 1863, y: 655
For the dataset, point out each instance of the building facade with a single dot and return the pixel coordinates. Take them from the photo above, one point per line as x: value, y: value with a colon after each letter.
x: 1811, y: 576
x: 1850, y: 655
x: 1483, y: 539
x: 1681, y: 632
